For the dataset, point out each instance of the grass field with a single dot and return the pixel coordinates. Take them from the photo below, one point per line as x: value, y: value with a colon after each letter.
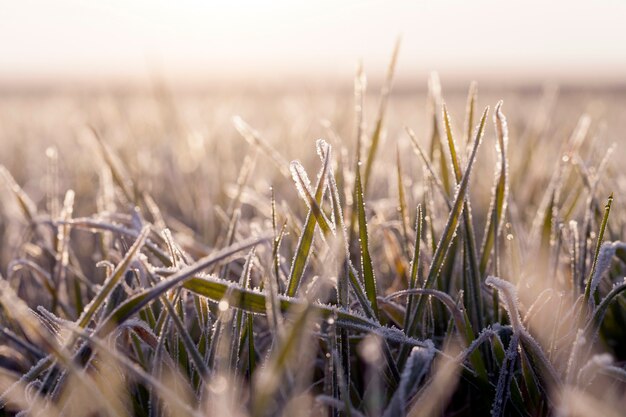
x: 205, y: 254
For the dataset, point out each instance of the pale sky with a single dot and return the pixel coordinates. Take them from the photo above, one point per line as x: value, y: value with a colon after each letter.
x: 122, y: 39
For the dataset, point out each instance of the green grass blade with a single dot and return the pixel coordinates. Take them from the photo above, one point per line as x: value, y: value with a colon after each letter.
x: 605, y: 220
x: 112, y: 281
x: 349, y: 271
x: 499, y: 195
x: 470, y: 110
x: 243, y: 325
x: 402, y: 205
x: 254, y: 302
x: 474, y: 301
x: 595, y: 322
x: 306, y: 195
x: 251, y: 348
x: 413, y: 278
x: 137, y: 302
x: 360, y: 87
x: 189, y: 345
x: 303, y: 250
x: 456, y: 165
x: 366, y: 259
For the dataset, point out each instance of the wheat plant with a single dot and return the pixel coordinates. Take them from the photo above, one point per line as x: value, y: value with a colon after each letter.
x: 184, y: 277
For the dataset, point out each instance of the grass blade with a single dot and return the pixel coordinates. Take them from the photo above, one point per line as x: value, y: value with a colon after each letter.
x: 500, y: 191
x: 475, y: 301
x: 402, y: 205
x: 605, y: 220
x: 28, y: 207
x: 303, y: 250
x: 429, y: 167
x: 135, y: 303
x: 415, y: 264
x: 113, y: 280
x: 384, y: 98
x: 366, y: 259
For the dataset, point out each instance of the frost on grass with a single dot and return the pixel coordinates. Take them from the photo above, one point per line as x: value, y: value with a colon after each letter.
x: 511, y: 302
x: 178, y: 317
x: 415, y: 370
x: 607, y: 252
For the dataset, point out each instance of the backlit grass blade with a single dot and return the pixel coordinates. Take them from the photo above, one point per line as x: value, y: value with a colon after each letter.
x: 420, y: 152
x: 456, y: 165
x: 366, y: 260
x: 360, y: 87
x: 605, y: 220
x: 134, y: 304
x: 120, y: 176
x: 247, y: 328
x: 500, y: 191
x: 230, y: 238
x: 306, y: 195
x: 191, y: 348
x: 254, y: 138
x: 415, y: 264
x: 303, y: 250
x: 350, y: 274
x: 384, y: 98
x: 28, y: 207
x: 436, y: 147
x: 273, y: 310
x: 474, y: 300
x: 254, y: 302
x: 470, y: 110
x: 402, y: 205
x: 112, y: 281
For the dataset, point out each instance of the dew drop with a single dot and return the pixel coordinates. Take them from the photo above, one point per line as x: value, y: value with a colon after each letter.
x: 223, y: 305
